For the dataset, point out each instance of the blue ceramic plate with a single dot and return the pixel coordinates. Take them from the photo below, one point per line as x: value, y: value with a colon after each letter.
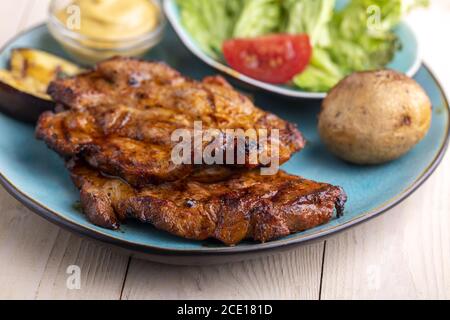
x: 36, y: 176
x: 407, y: 60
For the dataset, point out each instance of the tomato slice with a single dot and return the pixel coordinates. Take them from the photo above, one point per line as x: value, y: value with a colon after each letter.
x: 273, y: 58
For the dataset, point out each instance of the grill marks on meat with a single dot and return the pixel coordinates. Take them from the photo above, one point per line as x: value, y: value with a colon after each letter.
x: 244, y: 205
x: 115, y: 125
x: 136, y: 161
x: 120, y: 118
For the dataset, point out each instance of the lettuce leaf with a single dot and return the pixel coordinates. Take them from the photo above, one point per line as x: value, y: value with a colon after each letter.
x: 315, y: 80
x: 361, y: 38
x: 310, y: 17
x: 358, y: 36
x: 258, y: 17
x: 362, y: 34
x: 210, y: 22
x: 321, y: 74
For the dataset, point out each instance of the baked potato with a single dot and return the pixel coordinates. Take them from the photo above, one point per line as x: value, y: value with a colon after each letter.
x: 23, y: 88
x: 374, y: 117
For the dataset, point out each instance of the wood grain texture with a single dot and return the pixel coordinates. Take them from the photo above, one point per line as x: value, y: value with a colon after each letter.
x: 35, y: 13
x: 35, y: 254
x: 301, y: 267
x: 13, y: 15
x: 402, y: 254
x: 406, y: 252
x: 26, y: 242
x: 290, y: 275
x: 24, y: 238
x: 102, y: 269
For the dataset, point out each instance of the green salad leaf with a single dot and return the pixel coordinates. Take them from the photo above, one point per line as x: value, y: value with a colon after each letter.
x: 359, y: 36
x: 258, y: 17
x: 362, y: 36
x: 321, y: 74
x: 210, y: 22
x: 314, y: 79
x: 310, y: 17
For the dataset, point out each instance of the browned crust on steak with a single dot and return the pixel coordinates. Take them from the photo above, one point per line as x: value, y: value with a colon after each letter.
x: 243, y: 206
x: 120, y: 117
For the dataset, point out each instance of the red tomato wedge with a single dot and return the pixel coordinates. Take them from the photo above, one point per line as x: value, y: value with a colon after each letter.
x: 274, y: 58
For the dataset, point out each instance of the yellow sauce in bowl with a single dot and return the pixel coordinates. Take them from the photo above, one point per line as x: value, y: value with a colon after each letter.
x: 104, y: 28
x: 113, y: 20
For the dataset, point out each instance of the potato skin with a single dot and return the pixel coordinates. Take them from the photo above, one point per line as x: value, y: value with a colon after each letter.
x: 374, y: 117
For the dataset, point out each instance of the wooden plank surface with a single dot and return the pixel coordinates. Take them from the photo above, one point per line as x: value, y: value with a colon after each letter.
x: 34, y: 254
x: 42, y: 268
x: 290, y: 275
x: 405, y: 253
x: 102, y: 270
x: 402, y: 254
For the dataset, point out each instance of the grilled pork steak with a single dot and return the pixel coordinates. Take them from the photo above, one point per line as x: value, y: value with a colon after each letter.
x: 117, y: 121
x: 120, y: 116
x: 242, y: 205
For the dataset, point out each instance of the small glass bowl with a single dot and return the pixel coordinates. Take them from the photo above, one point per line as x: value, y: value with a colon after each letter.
x: 89, y: 50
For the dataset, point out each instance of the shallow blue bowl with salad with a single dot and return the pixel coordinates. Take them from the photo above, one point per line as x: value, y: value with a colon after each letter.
x: 297, y: 48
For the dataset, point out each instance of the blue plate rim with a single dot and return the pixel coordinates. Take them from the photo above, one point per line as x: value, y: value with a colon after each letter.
x: 70, y: 225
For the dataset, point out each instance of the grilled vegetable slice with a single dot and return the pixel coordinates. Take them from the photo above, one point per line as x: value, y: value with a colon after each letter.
x: 39, y: 68
x: 23, y: 88
x: 19, y: 98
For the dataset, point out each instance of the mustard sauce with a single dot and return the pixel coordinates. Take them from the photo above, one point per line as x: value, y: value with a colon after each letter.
x: 108, y: 28
x: 113, y: 20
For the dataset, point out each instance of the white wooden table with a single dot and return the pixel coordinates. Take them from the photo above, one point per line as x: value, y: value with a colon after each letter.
x: 404, y: 253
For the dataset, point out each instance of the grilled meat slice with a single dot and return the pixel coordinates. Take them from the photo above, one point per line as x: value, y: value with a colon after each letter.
x: 245, y: 205
x: 120, y: 117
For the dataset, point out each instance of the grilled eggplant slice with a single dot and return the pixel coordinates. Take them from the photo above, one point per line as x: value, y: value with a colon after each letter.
x: 23, y: 88
x: 19, y: 99
x: 40, y: 66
